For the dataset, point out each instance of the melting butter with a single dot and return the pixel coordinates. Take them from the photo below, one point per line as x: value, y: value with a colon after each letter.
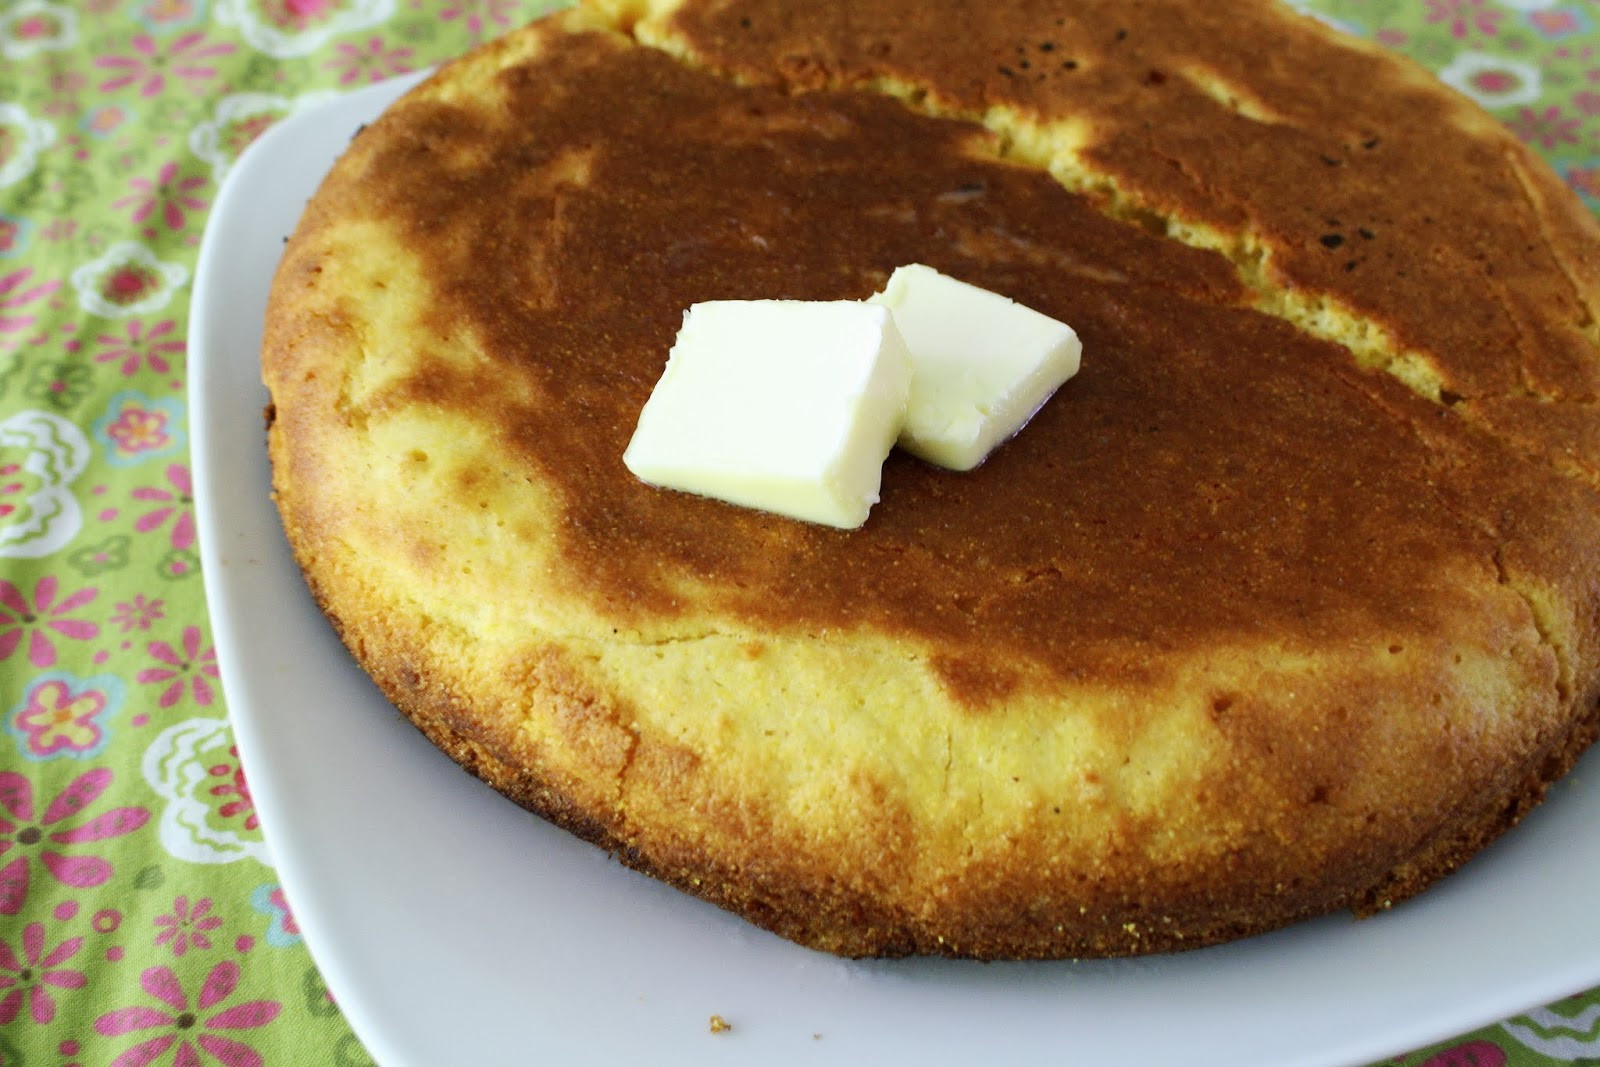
x: 784, y: 405
x: 982, y: 364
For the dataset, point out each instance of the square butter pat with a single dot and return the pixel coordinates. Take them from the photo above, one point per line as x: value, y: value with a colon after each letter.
x: 982, y: 364
x: 784, y: 405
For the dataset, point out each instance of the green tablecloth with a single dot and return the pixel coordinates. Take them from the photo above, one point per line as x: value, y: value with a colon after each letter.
x: 140, y: 919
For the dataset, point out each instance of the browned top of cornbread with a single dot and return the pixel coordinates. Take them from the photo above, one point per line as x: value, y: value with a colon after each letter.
x: 1331, y: 168
x: 1254, y: 619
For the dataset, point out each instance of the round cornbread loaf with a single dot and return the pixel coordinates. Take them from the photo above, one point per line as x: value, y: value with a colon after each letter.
x: 1286, y: 604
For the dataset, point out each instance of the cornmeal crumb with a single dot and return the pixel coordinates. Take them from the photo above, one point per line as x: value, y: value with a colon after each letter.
x: 719, y: 1024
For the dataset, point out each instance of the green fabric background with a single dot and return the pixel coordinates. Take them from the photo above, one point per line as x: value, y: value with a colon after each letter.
x: 137, y: 901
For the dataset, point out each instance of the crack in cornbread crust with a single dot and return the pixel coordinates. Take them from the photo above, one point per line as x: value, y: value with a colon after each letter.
x: 1221, y: 773
x: 1121, y: 139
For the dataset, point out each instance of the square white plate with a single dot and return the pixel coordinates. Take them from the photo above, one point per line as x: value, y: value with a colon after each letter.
x: 454, y: 928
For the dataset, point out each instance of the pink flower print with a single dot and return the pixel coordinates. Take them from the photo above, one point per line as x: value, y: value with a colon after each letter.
x: 1472, y: 1054
x: 162, y: 984
x: 15, y: 291
x: 139, y: 430
x: 1586, y: 180
x: 12, y: 233
x: 282, y: 930
x: 1555, y: 23
x: 243, y: 132
x: 10, y: 486
x: 167, y: 193
x: 60, y: 718
x: 154, y: 346
x: 101, y: 122
x: 19, y: 830
x: 191, y: 668
x: 234, y: 785
x: 30, y: 976
x: 1494, y: 82
x: 372, y: 60
x: 68, y: 82
x: 39, y: 619
x: 138, y: 613
x: 1547, y: 127
x: 65, y: 87
x: 59, y: 230
x: 281, y: 902
x: 168, y: 12
x: 476, y: 13
x: 35, y: 27
x: 1464, y: 16
x: 175, y: 502
x: 296, y: 16
x: 148, y: 66
x: 186, y: 925
x: 130, y: 283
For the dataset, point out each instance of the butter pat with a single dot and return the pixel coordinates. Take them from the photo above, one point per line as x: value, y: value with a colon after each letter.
x: 785, y: 405
x: 982, y: 364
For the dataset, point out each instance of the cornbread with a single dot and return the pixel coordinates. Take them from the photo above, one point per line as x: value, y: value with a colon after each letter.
x: 1285, y: 604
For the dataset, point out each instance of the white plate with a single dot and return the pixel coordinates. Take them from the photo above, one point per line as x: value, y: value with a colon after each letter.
x: 453, y: 928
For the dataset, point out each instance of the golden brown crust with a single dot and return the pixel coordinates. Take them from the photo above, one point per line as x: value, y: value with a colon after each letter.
x: 1407, y: 204
x: 1286, y: 604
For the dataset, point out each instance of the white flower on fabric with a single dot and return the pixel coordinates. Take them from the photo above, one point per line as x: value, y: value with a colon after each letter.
x: 41, y: 455
x: 285, y: 29
x: 1560, y: 1037
x: 22, y: 138
x: 239, y: 119
x: 208, y: 817
x: 33, y: 26
x: 126, y: 280
x: 1493, y: 81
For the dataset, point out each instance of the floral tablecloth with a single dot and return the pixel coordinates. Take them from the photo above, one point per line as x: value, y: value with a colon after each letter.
x: 140, y: 918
